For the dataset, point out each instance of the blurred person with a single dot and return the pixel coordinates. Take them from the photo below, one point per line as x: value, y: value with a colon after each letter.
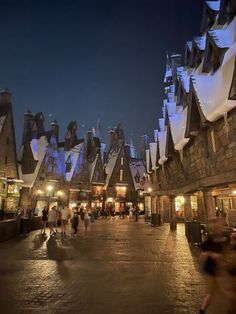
x: 131, y: 212
x: 211, y: 257
x: 65, y: 215
x: 75, y: 220
x: 44, y: 219
x: 86, y: 219
x: 52, y: 219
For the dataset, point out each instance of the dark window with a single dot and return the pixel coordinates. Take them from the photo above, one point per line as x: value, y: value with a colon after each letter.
x: 5, y: 160
x: 8, y: 140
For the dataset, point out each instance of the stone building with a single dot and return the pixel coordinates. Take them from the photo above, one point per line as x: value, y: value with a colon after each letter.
x: 193, y: 156
x: 125, y: 175
x: 54, y: 172
x: 9, y: 177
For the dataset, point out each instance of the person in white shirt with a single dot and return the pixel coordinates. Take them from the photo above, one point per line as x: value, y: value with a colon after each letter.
x: 52, y: 219
x: 65, y: 215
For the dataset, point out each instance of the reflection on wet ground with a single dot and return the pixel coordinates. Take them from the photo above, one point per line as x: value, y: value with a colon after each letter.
x: 118, y: 267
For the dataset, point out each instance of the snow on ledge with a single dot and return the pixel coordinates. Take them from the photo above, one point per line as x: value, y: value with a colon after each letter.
x: 213, y: 90
x: 162, y: 135
x: 178, y: 122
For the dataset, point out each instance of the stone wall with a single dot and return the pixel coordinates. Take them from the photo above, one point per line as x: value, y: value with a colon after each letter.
x: 201, y: 166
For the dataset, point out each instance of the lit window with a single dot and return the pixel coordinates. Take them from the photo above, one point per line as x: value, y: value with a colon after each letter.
x: 97, y: 190
x: 121, y: 191
x: 122, y: 161
x: 121, y: 174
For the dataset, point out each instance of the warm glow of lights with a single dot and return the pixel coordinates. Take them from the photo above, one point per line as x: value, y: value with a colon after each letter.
x: 234, y: 192
x: 49, y: 188
x: 110, y: 199
x: 60, y: 193
x: 149, y: 190
x: 39, y: 192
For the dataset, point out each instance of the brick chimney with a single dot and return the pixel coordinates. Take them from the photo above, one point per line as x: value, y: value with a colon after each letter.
x: 5, y: 97
x: 111, y: 140
x: 71, y: 137
x: 55, y: 129
x: 28, y: 121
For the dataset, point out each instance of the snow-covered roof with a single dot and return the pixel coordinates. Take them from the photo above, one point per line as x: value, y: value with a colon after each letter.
x: 200, y: 42
x: 224, y: 37
x: 137, y: 169
x: 189, y: 44
x: 73, y: 154
x: 2, y: 120
x: 91, y: 167
x: 213, y: 5
x: 213, y: 90
x: 102, y: 150
x: 184, y: 77
x: 38, y: 147
x: 155, y: 133
x: 112, y: 158
x: 171, y: 108
x: 167, y: 74
x: 178, y: 123
x: 162, y: 146
x: 148, y: 160
x: 161, y: 124
x: 153, y: 155
x: 20, y: 153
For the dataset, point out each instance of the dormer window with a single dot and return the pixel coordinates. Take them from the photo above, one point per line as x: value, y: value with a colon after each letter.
x: 122, y: 161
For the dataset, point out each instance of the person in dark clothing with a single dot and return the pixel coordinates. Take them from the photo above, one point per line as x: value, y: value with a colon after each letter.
x: 44, y: 219
x: 75, y: 221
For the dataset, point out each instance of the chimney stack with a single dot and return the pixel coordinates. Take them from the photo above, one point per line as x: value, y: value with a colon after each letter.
x: 28, y: 121
x: 55, y: 129
x: 111, y: 139
x: 5, y: 97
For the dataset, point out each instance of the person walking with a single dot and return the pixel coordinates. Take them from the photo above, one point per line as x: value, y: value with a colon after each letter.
x: 65, y: 215
x: 136, y: 213
x: 44, y: 219
x: 75, y: 221
x: 52, y: 219
x: 86, y: 219
x: 131, y: 211
x: 213, y: 249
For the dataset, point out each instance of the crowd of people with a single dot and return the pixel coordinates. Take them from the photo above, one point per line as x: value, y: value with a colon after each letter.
x: 65, y: 219
x: 58, y: 218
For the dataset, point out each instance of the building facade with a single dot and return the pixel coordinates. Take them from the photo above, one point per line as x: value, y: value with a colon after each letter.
x: 9, y: 178
x: 193, y: 156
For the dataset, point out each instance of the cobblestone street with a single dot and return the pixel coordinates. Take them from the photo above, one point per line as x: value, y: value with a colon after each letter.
x: 118, y: 267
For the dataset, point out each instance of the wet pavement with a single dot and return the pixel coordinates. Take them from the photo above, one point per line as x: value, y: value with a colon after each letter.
x: 118, y: 267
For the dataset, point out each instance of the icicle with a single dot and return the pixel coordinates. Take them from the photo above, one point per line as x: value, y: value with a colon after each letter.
x: 163, y: 168
x: 181, y: 154
x: 226, y: 124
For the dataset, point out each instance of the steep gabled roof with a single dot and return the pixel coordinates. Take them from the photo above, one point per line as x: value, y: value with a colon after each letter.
x: 226, y: 36
x: 38, y: 149
x: 2, y: 121
x: 109, y: 167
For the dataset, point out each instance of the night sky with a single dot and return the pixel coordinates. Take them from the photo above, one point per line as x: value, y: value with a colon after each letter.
x: 88, y: 59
